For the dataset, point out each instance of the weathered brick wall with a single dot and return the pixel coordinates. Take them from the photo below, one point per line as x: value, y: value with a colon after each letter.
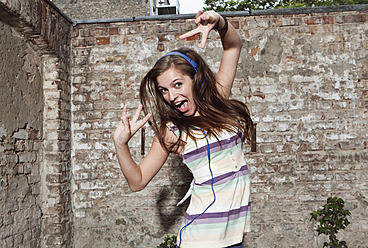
x: 35, y: 141
x: 21, y: 124
x: 102, y: 9
x: 304, y: 77
x: 56, y: 165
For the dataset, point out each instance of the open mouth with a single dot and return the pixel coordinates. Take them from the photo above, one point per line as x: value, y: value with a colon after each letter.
x: 182, y: 106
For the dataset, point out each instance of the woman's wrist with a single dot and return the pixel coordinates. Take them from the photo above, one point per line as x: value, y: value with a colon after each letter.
x: 121, y: 145
x: 222, y: 27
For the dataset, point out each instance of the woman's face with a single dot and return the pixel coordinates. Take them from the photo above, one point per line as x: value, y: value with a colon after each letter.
x: 176, y: 88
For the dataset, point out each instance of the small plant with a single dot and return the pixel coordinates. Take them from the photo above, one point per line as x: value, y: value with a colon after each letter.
x: 332, y: 217
x: 169, y: 242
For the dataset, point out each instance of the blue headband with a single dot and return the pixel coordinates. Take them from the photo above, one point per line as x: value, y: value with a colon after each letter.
x: 183, y: 56
x: 186, y: 58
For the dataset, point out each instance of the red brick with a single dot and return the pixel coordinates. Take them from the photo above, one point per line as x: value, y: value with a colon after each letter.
x: 161, y: 47
x: 113, y: 31
x: 103, y: 41
x: 255, y: 51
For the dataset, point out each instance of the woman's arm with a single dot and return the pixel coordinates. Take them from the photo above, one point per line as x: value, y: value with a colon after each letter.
x: 231, y: 43
x: 137, y: 175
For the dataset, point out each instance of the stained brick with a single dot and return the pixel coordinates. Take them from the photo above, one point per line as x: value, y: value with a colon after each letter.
x: 103, y: 41
x: 113, y: 31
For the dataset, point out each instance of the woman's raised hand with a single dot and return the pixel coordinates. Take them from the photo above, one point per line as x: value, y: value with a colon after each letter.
x: 205, y: 22
x: 127, y: 127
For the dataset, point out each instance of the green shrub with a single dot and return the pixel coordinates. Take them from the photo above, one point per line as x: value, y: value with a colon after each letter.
x: 332, y: 217
x: 169, y: 242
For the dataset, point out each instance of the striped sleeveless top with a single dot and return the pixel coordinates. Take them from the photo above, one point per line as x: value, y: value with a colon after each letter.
x: 225, y: 221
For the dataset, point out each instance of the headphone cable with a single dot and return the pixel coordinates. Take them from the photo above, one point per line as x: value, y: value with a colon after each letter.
x: 213, y: 191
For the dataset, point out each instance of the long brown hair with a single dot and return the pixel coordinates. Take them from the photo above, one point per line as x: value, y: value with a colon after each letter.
x: 217, y: 113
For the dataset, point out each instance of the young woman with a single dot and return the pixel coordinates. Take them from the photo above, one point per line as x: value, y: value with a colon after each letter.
x: 195, y: 119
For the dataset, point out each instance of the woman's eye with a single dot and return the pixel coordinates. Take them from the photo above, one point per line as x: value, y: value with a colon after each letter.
x: 177, y: 85
x: 163, y: 91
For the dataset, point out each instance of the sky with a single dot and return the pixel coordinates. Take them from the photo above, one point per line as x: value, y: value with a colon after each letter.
x: 190, y: 6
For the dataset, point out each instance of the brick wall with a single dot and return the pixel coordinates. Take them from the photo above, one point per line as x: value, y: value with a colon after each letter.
x: 303, y: 77
x: 102, y: 9
x: 20, y: 141
x: 35, y: 141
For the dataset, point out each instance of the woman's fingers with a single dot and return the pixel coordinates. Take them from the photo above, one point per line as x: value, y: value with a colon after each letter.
x: 137, y: 113
x: 126, y: 122
x: 199, y: 14
x: 144, y: 120
x: 124, y: 113
x: 190, y: 33
x: 141, y: 123
x: 200, y: 29
x: 209, y: 18
x: 128, y: 126
x: 132, y: 125
x: 204, y: 39
x: 122, y: 133
x: 205, y: 22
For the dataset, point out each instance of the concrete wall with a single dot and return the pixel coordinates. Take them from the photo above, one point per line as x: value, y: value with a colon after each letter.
x: 304, y: 77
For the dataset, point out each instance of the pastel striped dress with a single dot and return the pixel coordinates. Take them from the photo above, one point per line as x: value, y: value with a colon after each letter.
x: 225, y: 221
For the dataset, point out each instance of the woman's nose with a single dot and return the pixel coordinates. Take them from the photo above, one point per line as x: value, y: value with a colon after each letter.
x: 172, y: 95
